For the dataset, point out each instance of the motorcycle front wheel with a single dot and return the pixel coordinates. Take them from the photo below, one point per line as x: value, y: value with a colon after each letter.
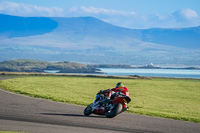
x: 88, y: 110
x: 115, y: 111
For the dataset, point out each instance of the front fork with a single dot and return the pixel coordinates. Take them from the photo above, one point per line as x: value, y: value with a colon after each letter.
x: 94, y: 106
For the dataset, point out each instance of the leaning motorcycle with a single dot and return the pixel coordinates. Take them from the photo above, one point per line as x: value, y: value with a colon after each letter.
x: 108, y: 107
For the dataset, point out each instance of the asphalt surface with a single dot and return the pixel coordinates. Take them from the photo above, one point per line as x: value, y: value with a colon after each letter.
x: 22, y: 113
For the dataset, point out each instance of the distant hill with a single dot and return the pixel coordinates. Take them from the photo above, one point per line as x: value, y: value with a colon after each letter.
x: 13, y: 26
x: 87, y: 39
x: 184, y: 38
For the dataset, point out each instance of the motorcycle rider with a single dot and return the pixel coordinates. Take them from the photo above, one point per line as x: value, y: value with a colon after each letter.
x: 110, y: 102
x: 110, y: 94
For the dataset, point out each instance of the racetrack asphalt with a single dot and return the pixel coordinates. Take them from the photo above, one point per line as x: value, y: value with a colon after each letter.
x: 23, y: 113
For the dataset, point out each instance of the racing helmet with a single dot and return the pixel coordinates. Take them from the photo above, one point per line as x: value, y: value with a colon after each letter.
x: 120, y: 84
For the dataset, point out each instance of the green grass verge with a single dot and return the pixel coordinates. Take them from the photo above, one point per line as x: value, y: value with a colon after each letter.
x: 168, y: 98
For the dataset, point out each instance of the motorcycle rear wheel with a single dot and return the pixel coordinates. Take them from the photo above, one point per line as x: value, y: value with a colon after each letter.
x: 88, y: 110
x: 115, y: 111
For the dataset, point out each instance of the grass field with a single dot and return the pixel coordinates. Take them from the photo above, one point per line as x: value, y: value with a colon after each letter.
x: 168, y: 98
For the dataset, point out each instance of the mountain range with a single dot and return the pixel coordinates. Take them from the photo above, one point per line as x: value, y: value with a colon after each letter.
x: 90, y: 40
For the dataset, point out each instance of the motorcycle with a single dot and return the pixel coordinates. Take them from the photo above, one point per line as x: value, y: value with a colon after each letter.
x: 108, y: 107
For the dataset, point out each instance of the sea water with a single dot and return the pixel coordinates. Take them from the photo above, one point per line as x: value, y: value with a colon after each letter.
x: 175, y: 73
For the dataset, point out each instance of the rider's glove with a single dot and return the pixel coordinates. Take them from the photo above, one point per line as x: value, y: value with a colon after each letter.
x: 101, y: 91
x: 108, y: 90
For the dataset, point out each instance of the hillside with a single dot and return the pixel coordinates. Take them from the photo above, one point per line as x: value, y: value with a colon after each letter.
x: 13, y: 26
x: 87, y: 39
x: 42, y: 66
x: 184, y: 38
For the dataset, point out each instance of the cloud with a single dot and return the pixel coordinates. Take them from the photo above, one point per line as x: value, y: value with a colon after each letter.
x: 97, y: 11
x: 19, y: 9
x: 111, y: 16
x: 185, y: 14
x: 178, y: 19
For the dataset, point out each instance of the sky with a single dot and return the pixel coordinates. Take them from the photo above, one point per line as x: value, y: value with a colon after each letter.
x: 134, y: 14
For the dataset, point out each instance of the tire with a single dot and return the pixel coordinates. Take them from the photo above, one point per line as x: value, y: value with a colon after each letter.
x: 115, y: 111
x: 88, y: 110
